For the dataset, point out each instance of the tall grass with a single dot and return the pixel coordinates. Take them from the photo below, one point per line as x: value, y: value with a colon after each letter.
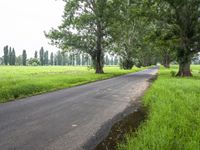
x: 18, y: 82
x: 174, y: 115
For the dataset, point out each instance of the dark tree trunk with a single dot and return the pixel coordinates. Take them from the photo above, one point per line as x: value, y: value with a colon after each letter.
x: 99, y: 54
x: 166, y: 61
x: 184, y: 59
x: 184, y: 70
x: 184, y: 56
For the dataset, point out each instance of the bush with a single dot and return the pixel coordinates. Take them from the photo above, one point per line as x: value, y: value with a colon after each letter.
x: 33, y: 62
x: 126, y: 64
x: 173, y: 73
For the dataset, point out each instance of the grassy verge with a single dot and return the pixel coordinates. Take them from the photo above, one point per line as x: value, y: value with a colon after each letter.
x: 18, y: 82
x: 174, y: 115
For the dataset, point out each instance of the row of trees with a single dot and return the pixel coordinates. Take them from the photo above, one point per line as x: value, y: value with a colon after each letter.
x: 60, y: 58
x: 141, y: 32
x: 9, y: 55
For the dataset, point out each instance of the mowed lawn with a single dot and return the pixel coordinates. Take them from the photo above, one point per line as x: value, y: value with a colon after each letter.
x: 18, y: 82
x: 174, y: 115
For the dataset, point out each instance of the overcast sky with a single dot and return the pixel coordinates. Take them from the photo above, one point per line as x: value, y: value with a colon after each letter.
x: 22, y: 23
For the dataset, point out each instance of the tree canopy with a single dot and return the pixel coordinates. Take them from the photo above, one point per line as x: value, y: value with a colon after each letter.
x: 141, y: 32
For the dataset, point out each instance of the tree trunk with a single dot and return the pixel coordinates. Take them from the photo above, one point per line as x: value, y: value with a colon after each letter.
x: 166, y: 61
x: 184, y: 70
x: 99, y: 58
x: 184, y: 56
x: 99, y: 69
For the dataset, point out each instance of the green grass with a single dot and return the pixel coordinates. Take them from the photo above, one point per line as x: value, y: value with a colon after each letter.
x: 18, y: 82
x: 174, y: 115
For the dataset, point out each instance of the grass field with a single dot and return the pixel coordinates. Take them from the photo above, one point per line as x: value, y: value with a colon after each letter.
x: 174, y: 115
x: 18, y: 82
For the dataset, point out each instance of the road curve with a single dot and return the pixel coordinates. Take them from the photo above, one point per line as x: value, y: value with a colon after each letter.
x: 70, y: 119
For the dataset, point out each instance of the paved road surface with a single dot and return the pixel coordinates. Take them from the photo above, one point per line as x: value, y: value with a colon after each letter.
x: 69, y: 119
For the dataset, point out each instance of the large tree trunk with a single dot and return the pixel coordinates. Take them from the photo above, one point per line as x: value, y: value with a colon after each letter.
x: 184, y: 70
x: 184, y: 56
x: 184, y: 59
x: 99, y: 54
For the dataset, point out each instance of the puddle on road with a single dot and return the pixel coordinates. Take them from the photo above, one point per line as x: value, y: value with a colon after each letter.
x: 129, y: 124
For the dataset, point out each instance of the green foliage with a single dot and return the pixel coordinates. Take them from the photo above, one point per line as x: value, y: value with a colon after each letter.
x: 85, y: 31
x: 10, y: 56
x: 59, y: 58
x: 126, y: 64
x: 19, y: 60
x: 13, y: 57
x: 24, y: 58
x: 42, y: 56
x: 46, y: 58
x: 173, y: 73
x: 173, y: 121
x: 18, y: 82
x: 36, y: 55
x: 33, y: 62
x: 1, y: 60
x: 51, y: 59
x: 181, y: 21
x: 6, y: 57
x: 129, y: 30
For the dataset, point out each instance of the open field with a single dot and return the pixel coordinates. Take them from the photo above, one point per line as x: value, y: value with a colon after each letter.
x: 174, y: 115
x: 18, y: 82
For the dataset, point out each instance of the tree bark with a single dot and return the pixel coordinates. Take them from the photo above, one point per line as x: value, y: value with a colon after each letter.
x: 184, y: 70
x: 184, y: 56
x: 99, y: 58
x: 166, y: 61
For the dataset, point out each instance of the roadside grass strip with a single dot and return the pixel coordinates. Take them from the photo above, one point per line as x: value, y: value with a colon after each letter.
x: 174, y: 115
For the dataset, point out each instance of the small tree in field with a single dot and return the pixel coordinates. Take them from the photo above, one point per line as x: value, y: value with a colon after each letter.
x: 36, y: 55
x: 42, y: 56
x: 24, y: 58
x: 46, y: 58
x: 13, y: 57
x: 10, y: 56
x: 6, y: 57
x: 51, y: 59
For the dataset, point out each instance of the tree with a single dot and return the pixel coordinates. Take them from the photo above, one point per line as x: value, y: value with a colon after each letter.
x: 36, y: 55
x: 13, y: 57
x: 85, y: 31
x: 19, y: 60
x: 42, y: 56
x: 46, y: 58
x: 51, y: 59
x: 59, y: 58
x: 24, y: 57
x: 55, y: 60
x: 1, y: 61
x: 10, y: 56
x: 6, y: 57
x: 107, y: 61
x: 33, y: 62
x: 196, y: 59
x: 116, y: 61
x: 182, y: 18
x: 126, y: 30
x: 78, y: 59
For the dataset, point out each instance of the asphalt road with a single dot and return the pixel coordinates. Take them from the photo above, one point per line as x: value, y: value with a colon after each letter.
x: 69, y: 119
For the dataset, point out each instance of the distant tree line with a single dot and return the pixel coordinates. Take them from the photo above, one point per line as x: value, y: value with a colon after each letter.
x: 9, y: 57
x: 44, y: 58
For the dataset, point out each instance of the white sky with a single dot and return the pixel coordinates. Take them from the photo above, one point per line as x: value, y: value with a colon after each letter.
x: 22, y: 23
